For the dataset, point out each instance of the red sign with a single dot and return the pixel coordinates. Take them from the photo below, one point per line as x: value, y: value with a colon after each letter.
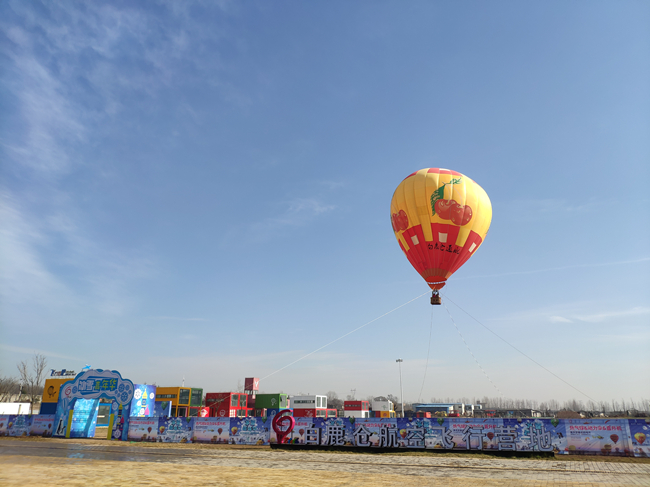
x: 251, y: 384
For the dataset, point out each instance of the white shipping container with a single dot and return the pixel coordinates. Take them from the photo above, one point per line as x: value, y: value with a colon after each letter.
x: 14, y: 408
x: 308, y: 402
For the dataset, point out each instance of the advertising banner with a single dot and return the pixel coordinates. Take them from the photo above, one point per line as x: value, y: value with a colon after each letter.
x: 162, y: 409
x: 337, y: 432
x: 639, y: 432
x: 249, y: 431
x: 570, y: 436
x: 118, y: 428
x: 144, y: 400
x: 211, y: 430
x: 18, y: 425
x: 596, y: 435
x: 143, y: 429
x: 374, y: 432
x: 174, y: 430
x: 4, y: 421
x: 543, y: 435
x: 42, y: 425
x: 84, y: 418
x: 299, y: 432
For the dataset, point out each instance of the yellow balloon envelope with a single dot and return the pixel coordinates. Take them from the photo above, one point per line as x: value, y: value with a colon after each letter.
x: 440, y: 218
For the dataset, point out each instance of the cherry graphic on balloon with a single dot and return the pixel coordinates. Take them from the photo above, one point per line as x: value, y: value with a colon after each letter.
x: 393, y: 221
x: 403, y: 220
x: 460, y: 215
x: 443, y: 208
x: 400, y: 221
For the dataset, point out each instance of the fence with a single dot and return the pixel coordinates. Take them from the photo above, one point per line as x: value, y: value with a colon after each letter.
x: 616, y: 437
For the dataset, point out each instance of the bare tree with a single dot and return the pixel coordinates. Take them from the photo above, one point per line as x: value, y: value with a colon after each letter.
x: 9, y: 387
x: 31, y: 379
x: 333, y: 400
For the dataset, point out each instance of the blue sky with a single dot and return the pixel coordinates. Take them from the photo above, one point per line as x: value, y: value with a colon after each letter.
x: 201, y: 190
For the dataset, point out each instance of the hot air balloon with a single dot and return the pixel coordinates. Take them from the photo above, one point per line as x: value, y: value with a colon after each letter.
x: 440, y: 218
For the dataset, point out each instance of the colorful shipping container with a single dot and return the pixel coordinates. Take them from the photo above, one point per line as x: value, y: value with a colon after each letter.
x: 228, y: 404
x: 356, y: 409
x: 182, y: 398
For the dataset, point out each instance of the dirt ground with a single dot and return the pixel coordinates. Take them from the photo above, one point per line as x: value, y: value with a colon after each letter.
x: 21, y: 465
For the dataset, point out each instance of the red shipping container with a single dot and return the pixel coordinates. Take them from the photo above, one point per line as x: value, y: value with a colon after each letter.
x: 356, y: 405
x: 310, y: 413
x: 226, y: 404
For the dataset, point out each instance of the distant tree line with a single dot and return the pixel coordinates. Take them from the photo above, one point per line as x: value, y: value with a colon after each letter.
x: 613, y: 406
x: 642, y: 405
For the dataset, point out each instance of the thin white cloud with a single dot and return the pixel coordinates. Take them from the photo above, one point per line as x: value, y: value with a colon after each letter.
x: 175, y: 318
x: 66, y: 70
x: 25, y: 278
x: 559, y: 319
x: 608, y: 315
x: 575, y: 313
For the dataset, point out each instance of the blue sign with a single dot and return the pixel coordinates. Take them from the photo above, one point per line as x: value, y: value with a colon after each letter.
x: 144, y: 401
x: 90, y: 384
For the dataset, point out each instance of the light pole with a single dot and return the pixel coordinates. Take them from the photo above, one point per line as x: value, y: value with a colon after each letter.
x: 401, y: 391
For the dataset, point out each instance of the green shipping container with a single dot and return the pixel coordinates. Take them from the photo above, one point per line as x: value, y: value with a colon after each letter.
x: 271, y: 401
x: 196, y: 398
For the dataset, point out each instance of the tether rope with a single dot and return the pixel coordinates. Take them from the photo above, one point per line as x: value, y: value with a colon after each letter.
x: 471, y: 353
x: 512, y: 346
x: 343, y: 336
x: 428, y: 350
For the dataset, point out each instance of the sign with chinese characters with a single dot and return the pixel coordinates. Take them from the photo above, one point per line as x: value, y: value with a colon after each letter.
x: 90, y: 384
x: 597, y: 435
x: 143, y: 429
x: 620, y: 437
x: 211, y: 430
x: 42, y: 425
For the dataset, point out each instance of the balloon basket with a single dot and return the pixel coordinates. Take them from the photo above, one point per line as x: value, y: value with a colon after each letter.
x: 435, y: 298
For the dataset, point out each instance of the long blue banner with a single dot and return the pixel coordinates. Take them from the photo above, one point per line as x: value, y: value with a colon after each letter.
x: 622, y: 437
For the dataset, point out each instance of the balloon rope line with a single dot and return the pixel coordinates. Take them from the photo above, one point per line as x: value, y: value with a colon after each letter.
x: 428, y: 350
x: 471, y: 353
x: 343, y: 336
x: 512, y: 346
